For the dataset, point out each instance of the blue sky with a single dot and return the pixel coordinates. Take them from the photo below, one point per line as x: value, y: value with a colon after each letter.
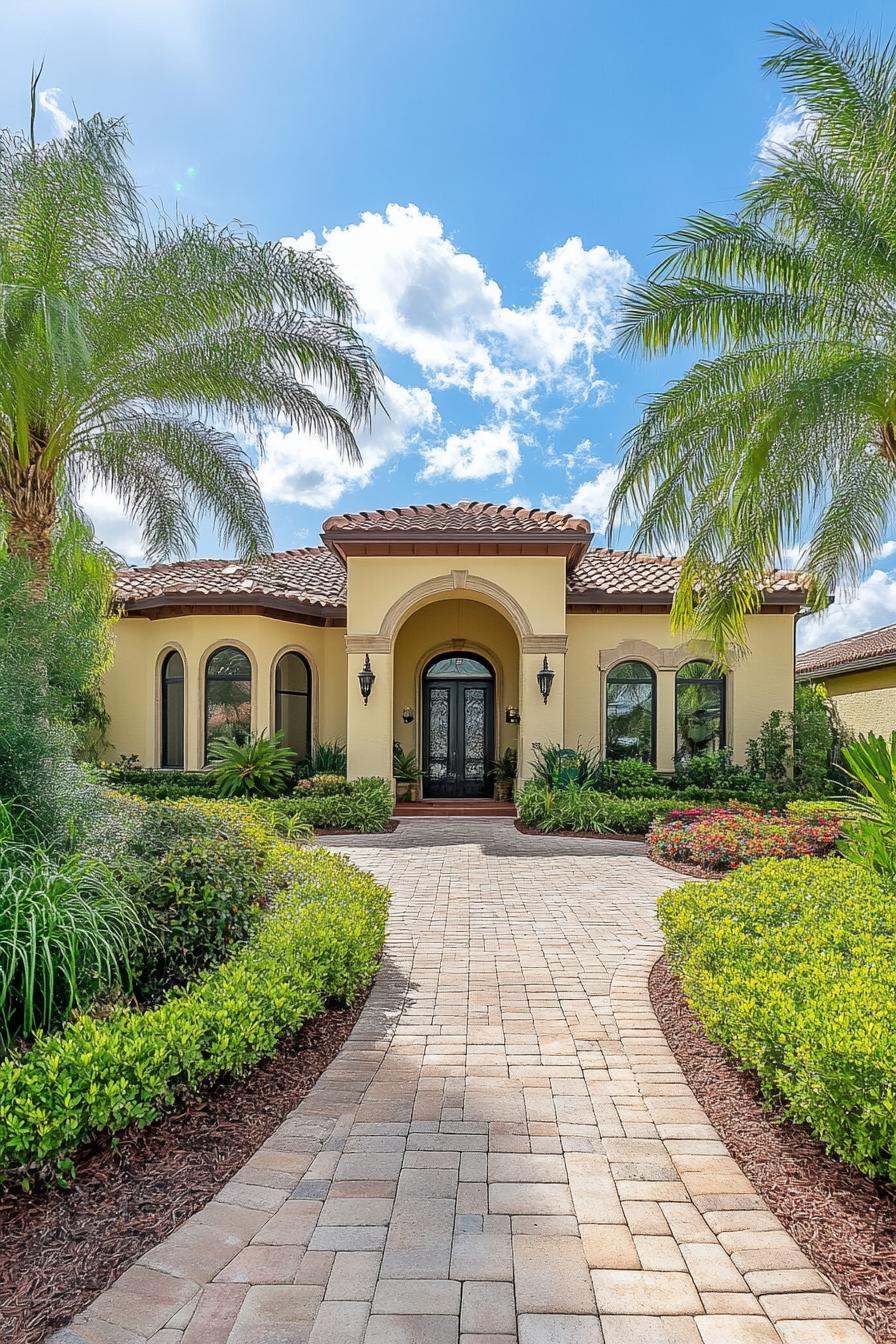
x: 486, y: 174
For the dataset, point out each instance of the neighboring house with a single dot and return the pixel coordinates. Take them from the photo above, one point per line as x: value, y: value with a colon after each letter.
x: 486, y: 626
x: 859, y: 675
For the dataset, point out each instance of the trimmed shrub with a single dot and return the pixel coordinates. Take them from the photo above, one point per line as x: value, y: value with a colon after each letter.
x: 720, y: 838
x: 200, y: 869
x: 367, y: 806
x: 579, y: 808
x: 792, y: 967
x: 323, y: 786
x: 319, y: 942
x: 160, y: 785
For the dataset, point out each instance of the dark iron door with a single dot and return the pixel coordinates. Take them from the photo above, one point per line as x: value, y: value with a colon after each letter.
x: 458, y: 737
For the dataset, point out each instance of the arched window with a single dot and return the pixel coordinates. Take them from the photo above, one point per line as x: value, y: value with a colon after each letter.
x: 228, y: 696
x: 292, y: 703
x: 173, y: 711
x: 631, y: 712
x: 699, y: 709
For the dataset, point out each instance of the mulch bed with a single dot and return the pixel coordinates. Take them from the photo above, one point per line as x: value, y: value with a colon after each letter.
x: 60, y: 1248
x: 690, y: 869
x: 844, y: 1222
x: 580, y: 835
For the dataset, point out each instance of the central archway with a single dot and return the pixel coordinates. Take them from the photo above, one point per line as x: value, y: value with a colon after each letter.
x: 458, y: 705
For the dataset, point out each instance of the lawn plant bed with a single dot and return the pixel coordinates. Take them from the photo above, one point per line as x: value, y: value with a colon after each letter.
x: 713, y: 840
x: 843, y: 1221
x: 581, y: 835
x: 60, y: 1248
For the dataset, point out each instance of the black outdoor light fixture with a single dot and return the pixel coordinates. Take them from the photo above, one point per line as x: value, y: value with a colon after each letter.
x: 407, y: 714
x: 366, y: 678
x: 545, y: 680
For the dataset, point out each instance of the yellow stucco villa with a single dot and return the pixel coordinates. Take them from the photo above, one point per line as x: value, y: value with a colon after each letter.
x: 457, y: 630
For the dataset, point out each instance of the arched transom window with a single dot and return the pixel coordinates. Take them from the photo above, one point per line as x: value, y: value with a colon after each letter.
x: 699, y: 709
x: 172, y: 744
x: 631, y: 712
x: 228, y: 696
x: 292, y: 703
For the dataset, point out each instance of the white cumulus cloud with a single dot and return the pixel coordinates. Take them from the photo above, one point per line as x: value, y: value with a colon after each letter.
x: 790, y: 123
x: 48, y: 99
x: 421, y: 296
x: 870, y: 606
x: 113, y: 526
x: 474, y: 454
x: 301, y: 468
x: 592, y: 498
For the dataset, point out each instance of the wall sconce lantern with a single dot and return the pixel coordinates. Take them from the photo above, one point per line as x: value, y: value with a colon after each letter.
x: 512, y: 714
x: 366, y: 678
x: 407, y: 714
x: 545, y: 680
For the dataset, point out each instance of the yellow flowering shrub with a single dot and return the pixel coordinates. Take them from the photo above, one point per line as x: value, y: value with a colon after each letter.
x: 791, y: 965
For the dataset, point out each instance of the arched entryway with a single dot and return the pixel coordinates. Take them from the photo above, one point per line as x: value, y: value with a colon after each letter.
x: 458, y: 708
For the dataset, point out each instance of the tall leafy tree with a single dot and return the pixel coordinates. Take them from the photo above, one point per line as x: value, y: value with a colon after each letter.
x: 140, y: 352
x: 783, y: 432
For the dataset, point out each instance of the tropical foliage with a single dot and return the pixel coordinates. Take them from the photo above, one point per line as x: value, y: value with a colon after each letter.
x: 792, y: 967
x: 125, y: 339
x: 319, y: 942
x: 785, y: 427
x: 870, y: 832
x: 361, y: 805
x: 260, y: 765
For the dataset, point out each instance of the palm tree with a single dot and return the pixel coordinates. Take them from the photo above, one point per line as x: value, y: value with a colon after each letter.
x: 124, y: 343
x: 783, y: 433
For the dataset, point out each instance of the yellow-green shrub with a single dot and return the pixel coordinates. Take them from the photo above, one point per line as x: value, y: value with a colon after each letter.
x: 319, y: 941
x: 791, y: 965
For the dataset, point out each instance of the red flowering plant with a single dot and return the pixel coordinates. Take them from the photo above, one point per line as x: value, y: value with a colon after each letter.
x: 718, y: 839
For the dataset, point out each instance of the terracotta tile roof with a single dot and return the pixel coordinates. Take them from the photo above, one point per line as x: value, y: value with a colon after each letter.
x: 605, y: 574
x: 878, y: 646
x: 467, y: 515
x: 313, y: 576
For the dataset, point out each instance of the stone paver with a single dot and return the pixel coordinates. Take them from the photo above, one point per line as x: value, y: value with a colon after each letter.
x: 505, y: 1150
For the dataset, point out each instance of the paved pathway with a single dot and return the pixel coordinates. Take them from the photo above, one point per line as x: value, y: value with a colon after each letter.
x: 505, y: 1150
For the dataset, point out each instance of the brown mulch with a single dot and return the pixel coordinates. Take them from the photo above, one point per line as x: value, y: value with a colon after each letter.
x: 60, y: 1248
x: 579, y: 835
x: 690, y: 869
x: 844, y: 1222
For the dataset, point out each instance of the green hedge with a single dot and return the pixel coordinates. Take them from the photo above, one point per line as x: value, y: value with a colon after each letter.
x: 791, y: 965
x: 580, y: 808
x: 366, y: 807
x: 319, y: 941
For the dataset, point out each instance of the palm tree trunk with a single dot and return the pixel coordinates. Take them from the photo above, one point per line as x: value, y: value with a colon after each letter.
x: 28, y: 496
x: 888, y: 441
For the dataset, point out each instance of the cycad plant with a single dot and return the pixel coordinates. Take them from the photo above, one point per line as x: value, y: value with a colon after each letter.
x: 135, y: 351
x: 870, y: 827
x: 783, y: 433
x: 262, y: 765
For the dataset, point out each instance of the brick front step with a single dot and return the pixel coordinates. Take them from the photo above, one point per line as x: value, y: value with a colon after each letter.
x: 455, y: 807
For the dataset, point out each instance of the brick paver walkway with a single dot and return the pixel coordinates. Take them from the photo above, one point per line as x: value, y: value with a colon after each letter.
x: 505, y: 1150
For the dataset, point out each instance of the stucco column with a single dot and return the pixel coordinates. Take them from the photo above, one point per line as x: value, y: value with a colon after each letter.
x: 369, y: 727
x: 540, y: 722
x: 665, y: 718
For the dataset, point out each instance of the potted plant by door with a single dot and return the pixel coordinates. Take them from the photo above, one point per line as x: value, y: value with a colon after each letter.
x: 407, y: 774
x: 503, y: 775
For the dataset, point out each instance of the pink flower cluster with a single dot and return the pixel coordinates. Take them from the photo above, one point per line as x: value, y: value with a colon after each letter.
x: 720, y: 838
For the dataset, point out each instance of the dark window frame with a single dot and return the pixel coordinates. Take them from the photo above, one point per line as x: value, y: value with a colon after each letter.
x: 278, y: 692
x: 649, y: 680
x: 166, y: 682
x: 226, y: 676
x: 715, y: 679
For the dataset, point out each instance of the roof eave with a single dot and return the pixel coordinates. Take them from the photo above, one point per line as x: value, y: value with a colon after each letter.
x: 839, y: 669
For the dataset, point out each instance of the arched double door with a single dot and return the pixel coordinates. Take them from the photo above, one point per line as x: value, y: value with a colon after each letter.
x: 458, y: 726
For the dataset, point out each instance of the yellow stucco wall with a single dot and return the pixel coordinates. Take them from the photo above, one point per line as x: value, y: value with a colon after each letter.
x: 865, y: 700
x: 403, y: 610
x: 132, y: 683
x: 759, y: 683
